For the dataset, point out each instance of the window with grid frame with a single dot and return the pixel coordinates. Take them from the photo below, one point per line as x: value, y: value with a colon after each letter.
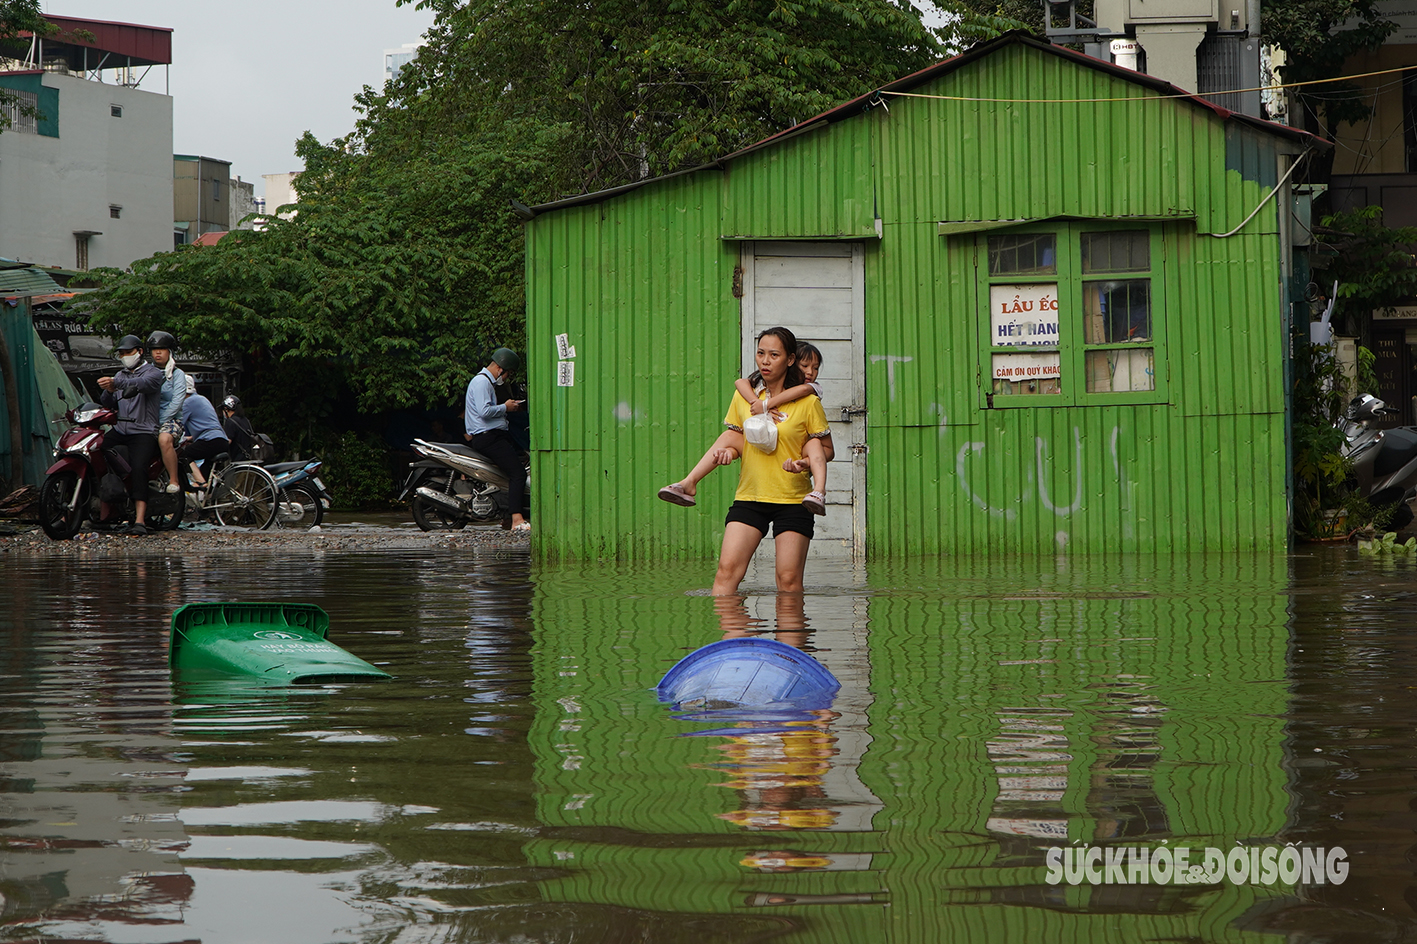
x: 1073, y: 315
x: 13, y: 105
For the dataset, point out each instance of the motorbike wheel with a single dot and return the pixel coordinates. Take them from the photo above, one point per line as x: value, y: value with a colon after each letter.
x: 54, y: 515
x: 312, y: 512
x: 164, y: 510
x: 245, y: 496
x: 431, y: 517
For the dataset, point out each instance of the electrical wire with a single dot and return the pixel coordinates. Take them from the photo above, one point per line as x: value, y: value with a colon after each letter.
x: 1137, y: 98
x: 1268, y: 197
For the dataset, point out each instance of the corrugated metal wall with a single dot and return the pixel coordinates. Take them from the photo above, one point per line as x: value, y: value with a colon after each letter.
x: 647, y: 282
x: 783, y: 191
x: 644, y: 289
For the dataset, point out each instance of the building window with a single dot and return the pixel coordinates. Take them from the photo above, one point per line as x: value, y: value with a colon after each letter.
x: 115, y: 211
x: 13, y: 104
x: 1072, y: 318
x: 216, y: 188
x: 81, y: 251
x: 116, y: 111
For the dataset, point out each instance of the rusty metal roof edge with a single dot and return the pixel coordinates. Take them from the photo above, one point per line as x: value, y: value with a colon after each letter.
x: 859, y: 104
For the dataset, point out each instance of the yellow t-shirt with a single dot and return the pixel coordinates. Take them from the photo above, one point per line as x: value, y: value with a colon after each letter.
x: 761, y: 477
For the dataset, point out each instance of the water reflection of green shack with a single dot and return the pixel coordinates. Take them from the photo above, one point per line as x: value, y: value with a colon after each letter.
x: 1010, y: 711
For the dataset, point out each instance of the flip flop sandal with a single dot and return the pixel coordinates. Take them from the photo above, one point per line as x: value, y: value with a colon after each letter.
x: 816, y: 503
x: 675, y: 495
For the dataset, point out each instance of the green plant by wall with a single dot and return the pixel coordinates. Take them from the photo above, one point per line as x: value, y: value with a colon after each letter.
x: 1327, y: 505
x: 357, y: 472
x: 1373, y: 265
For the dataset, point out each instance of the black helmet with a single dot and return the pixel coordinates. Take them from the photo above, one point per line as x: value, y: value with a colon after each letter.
x: 163, y: 340
x: 1366, y: 407
x: 506, y: 358
x: 129, y: 342
x: 231, y: 402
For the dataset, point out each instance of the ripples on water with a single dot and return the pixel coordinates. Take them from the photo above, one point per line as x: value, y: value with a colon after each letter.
x: 517, y: 781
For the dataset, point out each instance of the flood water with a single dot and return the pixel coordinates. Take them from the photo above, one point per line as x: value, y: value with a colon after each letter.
x: 518, y: 782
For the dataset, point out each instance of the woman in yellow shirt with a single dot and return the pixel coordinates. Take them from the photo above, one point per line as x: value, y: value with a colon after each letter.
x: 768, y: 495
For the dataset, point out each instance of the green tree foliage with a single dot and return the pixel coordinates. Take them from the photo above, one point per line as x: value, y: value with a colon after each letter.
x: 403, y: 266
x: 1316, y: 47
x: 1374, y: 266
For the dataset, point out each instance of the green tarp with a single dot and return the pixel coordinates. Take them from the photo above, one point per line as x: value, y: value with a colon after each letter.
x: 44, y: 393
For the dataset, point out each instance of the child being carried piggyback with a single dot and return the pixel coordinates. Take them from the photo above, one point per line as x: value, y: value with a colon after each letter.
x: 816, y: 452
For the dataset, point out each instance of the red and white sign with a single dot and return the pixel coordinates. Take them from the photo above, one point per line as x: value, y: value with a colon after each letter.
x: 1023, y: 315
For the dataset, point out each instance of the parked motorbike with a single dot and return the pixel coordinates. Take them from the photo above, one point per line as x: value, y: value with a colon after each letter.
x: 72, y: 485
x: 453, y: 485
x: 1384, y: 460
x: 303, y: 497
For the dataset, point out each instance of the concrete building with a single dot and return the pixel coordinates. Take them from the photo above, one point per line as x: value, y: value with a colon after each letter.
x: 243, y: 203
x: 280, y: 190
x: 201, y: 192
x: 396, y: 59
x: 89, y: 182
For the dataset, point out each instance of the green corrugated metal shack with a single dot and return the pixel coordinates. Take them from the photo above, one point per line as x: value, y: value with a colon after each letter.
x: 1051, y: 294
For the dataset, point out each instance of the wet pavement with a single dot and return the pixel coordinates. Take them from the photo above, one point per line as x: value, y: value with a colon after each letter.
x: 517, y: 781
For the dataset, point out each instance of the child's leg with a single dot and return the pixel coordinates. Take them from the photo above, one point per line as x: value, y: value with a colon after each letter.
x: 731, y: 440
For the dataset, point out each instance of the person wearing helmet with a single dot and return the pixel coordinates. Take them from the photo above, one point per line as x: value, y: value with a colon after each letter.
x: 169, y: 411
x: 487, y: 427
x: 237, y: 428
x: 135, y: 393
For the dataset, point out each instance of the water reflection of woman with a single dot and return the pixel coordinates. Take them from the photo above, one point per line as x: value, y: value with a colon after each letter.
x: 768, y: 495
x: 779, y: 774
x: 791, y: 620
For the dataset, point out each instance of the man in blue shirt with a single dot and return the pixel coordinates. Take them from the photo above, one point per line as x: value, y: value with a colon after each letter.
x: 487, y: 431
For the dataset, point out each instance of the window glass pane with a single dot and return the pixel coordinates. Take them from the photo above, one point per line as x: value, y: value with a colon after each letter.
x: 1027, y: 254
x: 1116, y: 252
x: 1116, y: 312
x: 1120, y: 370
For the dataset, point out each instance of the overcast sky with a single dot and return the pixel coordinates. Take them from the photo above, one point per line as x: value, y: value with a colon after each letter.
x: 248, y: 77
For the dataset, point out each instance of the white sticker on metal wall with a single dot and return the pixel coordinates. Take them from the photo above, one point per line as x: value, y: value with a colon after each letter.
x: 564, y: 349
x: 566, y: 374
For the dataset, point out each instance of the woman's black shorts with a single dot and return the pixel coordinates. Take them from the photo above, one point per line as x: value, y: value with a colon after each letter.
x: 783, y: 518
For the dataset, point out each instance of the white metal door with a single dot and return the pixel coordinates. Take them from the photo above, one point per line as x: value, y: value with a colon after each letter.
x: 817, y: 291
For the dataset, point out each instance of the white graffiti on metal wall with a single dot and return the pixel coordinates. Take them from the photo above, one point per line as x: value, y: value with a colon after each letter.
x: 1036, y: 479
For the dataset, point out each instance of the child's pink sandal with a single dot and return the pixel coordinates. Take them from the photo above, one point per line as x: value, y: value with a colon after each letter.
x: 816, y: 503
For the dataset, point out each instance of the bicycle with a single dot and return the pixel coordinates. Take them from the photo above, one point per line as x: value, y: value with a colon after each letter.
x: 239, y: 494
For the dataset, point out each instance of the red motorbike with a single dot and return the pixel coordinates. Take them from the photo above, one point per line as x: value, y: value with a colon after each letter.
x: 73, y: 484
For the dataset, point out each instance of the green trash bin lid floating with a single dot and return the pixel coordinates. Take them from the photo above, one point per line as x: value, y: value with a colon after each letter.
x: 277, y: 641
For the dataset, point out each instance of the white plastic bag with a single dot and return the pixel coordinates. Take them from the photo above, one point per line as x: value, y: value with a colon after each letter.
x: 761, y: 431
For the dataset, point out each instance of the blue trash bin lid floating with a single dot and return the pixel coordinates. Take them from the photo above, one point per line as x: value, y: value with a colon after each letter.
x: 746, y: 672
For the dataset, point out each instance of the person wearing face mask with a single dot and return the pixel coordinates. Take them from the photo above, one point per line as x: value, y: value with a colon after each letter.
x: 135, y: 393
x: 487, y: 427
